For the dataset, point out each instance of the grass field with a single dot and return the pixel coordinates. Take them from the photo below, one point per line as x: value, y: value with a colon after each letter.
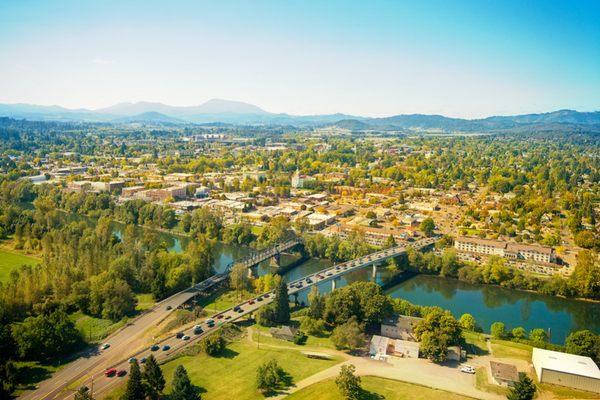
x: 375, y: 388
x: 482, y: 383
x: 508, y: 349
x: 311, y: 341
x: 11, y: 260
x: 232, y: 376
x: 94, y: 329
x: 476, y: 343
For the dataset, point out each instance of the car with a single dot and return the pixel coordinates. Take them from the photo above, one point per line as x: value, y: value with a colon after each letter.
x: 467, y: 369
x: 166, y: 347
x: 309, y: 281
x: 143, y: 360
x: 237, y: 308
x: 252, y: 301
x: 105, y: 346
x: 110, y: 372
x: 259, y: 298
x: 198, y: 331
x: 197, y: 326
x: 228, y: 317
x: 220, y: 316
x: 329, y: 273
x: 210, y: 321
x: 240, y: 310
x: 155, y: 347
x: 132, y: 359
x: 169, y: 308
x: 121, y: 373
x: 179, y: 335
x: 267, y: 295
x: 185, y: 337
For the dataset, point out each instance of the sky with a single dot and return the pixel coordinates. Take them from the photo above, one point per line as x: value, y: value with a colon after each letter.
x: 373, y: 58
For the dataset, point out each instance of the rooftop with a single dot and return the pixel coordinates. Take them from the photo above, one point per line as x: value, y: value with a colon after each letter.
x: 568, y: 363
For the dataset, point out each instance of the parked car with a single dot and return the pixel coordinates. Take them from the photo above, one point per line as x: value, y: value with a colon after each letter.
x: 467, y: 369
x: 105, y: 346
x: 110, y: 372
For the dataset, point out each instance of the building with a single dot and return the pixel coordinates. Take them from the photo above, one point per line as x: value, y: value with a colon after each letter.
x: 284, y: 332
x: 298, y: 180
x: 568, y: 370
x: 514, y: 251
x: 406, y: 348
x: 504, y: 374
x: 400, y: 327
x: 379, y: 345
x: 318, y: 221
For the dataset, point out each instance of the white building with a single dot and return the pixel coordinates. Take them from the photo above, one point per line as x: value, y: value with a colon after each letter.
x: 568, y: 370
x: 543, y: 254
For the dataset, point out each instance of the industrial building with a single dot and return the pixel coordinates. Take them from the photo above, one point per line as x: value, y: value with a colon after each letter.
x: 570, y: 370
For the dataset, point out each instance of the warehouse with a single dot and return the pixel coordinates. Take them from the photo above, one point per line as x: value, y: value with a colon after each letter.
x: 564, y: 369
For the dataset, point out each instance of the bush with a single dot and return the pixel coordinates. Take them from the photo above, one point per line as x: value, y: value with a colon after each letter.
x: 300, y: 338
x: 498, y: 330
x: 312, y: 326
x: 214, y: 344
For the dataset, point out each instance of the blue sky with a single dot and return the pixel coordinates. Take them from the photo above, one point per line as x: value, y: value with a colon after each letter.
x: 457, y: 58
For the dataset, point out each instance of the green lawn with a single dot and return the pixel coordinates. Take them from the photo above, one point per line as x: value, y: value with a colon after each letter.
x: 232, y: 376
x: 94, y: 329
x: 483, y: 383
x: 10, y: 260
x: 145, y: 301
x: 508, y: 349
x: 311, y: 341
x: 31, y: 372
x: 375, y: 388
x: 223, y: 300
x: 476, y: 343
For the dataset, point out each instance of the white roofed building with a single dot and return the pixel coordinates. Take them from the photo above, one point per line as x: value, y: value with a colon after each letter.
x: 570, y: 370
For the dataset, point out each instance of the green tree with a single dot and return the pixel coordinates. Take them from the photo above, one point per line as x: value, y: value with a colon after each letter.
x: 181, y: 387
x: 312, y: 326
x: 498, y: 330
x: 153, y: 378
x: 238, y: 279
x: 213, y: 344
x: 348, y: 336
x: 348, y: 383
x: 434, y: 346
x: 538, y: 336
x: 135, y: 388
x: 427, y: 226
x: 269, y: 377
x: 316, y: 302
x: 586, y: 276
x: 83, y: 393
x: 583, y: 343
x: 467, y: 322
x: 524, y: 389
x: 519, y: 333
x: 282, y: 303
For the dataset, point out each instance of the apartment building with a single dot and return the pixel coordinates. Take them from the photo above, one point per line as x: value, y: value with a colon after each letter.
x: 515, y: 251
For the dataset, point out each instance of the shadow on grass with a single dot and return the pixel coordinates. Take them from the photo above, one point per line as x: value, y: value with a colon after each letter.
x: 28, y: 375
x: 227, y: 353
x: 366, y: 395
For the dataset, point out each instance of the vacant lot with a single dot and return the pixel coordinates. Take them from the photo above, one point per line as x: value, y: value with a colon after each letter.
x: 375, y: 388
x: 233, y: 375
x: 10, y: 260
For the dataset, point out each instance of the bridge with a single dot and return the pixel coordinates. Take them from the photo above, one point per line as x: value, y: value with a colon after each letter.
x: 256, y: 258
x: 88, y: 370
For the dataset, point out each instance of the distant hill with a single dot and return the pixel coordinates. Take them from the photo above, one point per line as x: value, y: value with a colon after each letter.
x: 150, y: 117
x: 240, y: 113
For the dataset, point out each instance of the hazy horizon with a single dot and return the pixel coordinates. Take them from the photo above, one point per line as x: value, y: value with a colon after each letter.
x: 464, y: 59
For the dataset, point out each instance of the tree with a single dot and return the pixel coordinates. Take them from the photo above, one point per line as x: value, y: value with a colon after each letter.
x: 181, y: 387
x: 316, y: 302
x: 586, y: 276
x: 213, y: 344
x: 238, y: 278
x: 135, y: 388
x: 498, y: 330
x: 269, y: 377
x: 282, y: 303
x: 153, y: 378
x: 427, y: 226
x: 583, y: 343
x: 83, y: 393
x: 348, y: 336
x: 312, y: 326
x: 434, y: 346
x: 524, y: 389
x: 467, y: 322
x: 538, y: 336
x: 441, y: 324
x: 348, y: 383
x: 519, y: 333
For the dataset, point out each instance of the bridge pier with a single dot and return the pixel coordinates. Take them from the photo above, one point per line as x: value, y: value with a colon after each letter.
x: 333, y: 285
x: 275, y: 261
x: 374, y: 273
x: 250, y: 273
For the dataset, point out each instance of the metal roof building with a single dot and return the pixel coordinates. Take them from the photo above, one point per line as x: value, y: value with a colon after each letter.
x: 564, y: 369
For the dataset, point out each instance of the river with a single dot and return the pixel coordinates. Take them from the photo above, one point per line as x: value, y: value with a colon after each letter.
x: 487, y: 303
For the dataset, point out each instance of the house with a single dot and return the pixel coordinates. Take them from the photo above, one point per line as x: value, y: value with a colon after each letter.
x: 400, y: 327
x: 454, y: 353
x: 406, y: 348
x: 570, y: 370
x: 504, y: 374
x: 284, y: 332
x: 379, y: 345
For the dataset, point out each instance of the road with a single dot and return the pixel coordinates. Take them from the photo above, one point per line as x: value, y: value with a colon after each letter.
x: 129, y: 341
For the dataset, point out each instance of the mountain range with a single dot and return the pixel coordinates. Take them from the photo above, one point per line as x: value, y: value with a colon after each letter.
x: 236, y: 112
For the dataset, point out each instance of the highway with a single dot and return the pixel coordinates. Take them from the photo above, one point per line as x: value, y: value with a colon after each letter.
x: 128, y: 342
